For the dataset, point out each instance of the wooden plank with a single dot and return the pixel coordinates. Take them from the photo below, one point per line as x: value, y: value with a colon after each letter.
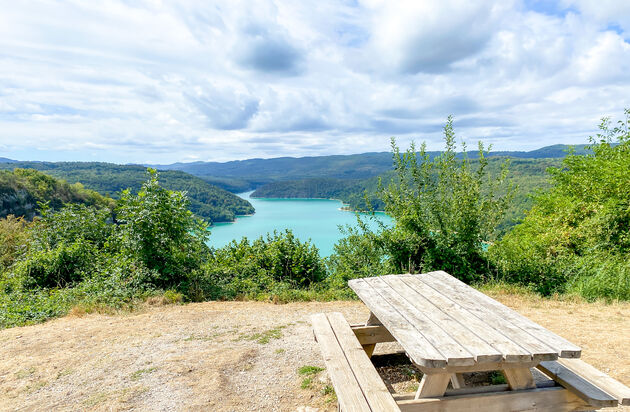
x: 463, y: 294
x: 481, y: 351
x: 562, y: 347
x: 555, y: 399
x: 512, y: 351
x: 349, y: 393
x: 577, y: 384
x: 371, y: 383
x: 372, y: 334
x: 599, y: 379
x: 483, y: 367
x: 433, y: 385
x: 420, y: 350
x: 468, y: 390
x: 452, y: 350
x: 519, y: 378
x: 456, y: 392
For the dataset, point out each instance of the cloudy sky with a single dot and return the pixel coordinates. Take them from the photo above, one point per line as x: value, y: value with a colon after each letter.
x: 165, y: 81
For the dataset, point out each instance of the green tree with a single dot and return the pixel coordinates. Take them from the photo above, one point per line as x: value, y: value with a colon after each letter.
x: 445, y: 209
x: 576, y: 237
x: 156, y: 228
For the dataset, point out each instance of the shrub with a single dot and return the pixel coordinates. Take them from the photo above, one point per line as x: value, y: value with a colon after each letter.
x: 277, y: 262
x: 14, y: 240
x: 576, y: 236
x: 156, y: 228
x: 445, y: 209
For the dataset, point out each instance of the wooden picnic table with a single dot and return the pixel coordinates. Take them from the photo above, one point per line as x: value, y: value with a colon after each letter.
x: 447, y: 328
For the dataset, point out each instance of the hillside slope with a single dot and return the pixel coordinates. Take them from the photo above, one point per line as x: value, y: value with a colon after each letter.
x: 206, y: 200
x: 22, y: 190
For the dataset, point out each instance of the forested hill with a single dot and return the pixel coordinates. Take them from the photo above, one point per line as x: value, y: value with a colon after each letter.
x: 206, y: 200
x: 528, y: 175
x: 349, y: 191
x: 22, y: 190
x: 5, y: 160
x: 252, y: 173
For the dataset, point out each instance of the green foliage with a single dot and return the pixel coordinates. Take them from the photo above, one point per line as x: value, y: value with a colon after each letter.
x: 357, y: 255
x: 576, y: 236
x: 156, y: 227
x: 14, y: 240
x: 23, y: 190
x: 274, y: 264
x: 445, y: 209
x: 77, y: 255
x: 309, y: 370
x: 206, y: 200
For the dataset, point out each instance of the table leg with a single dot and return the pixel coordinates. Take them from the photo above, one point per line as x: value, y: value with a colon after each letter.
x: 457, y: 380
x: 433, y: 385
x: 519, y: 378
x: 372, y: 320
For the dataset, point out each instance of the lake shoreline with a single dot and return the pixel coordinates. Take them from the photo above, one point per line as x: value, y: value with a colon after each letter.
x: 345, y: 207
x: 310, y: 219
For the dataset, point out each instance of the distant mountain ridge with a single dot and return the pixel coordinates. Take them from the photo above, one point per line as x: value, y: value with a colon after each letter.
x: 242, y: 175
x: 5, y: 160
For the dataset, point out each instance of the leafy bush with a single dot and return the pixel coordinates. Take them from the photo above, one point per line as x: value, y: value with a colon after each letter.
x: 357, y: 255
x: 14, y: 240
x: 576, y: 237
x: 156, y: 227
x: 78, y: 255
x: 445, y: 209
x: 272, y: 264
x: 66, y: 246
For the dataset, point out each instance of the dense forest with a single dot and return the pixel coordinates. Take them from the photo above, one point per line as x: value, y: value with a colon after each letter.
x: 23, y: 191
x: 207, y: 201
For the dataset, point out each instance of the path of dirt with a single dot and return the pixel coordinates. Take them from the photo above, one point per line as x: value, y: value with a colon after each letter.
x: 229, y: 356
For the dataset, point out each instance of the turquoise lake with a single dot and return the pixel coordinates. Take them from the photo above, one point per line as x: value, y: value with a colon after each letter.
x: 315, y: 219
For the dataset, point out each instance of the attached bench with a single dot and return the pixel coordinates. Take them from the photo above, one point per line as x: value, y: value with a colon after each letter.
x: 357, y: 383
x: 591, y: 385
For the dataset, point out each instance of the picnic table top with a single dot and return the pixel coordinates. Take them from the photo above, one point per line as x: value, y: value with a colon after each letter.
x: 442, y: 322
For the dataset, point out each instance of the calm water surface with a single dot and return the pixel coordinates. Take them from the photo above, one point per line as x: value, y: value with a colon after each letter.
x: 317, y: 219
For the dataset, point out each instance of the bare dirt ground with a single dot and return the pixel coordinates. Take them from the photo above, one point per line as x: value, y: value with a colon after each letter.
x: 232, y: 356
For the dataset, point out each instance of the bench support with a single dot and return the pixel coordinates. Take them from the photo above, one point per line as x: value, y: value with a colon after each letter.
x: 372, y: 321
x: 457, y: 380
x: 519, y: 378
x: 433, y: 385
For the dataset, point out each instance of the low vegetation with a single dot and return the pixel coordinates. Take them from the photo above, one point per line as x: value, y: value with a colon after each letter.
x: 448, y: 210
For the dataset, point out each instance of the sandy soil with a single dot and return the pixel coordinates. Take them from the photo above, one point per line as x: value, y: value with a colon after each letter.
x: 232, y: 356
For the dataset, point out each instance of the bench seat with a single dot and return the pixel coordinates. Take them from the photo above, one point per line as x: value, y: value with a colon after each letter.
x: 588, y: 383
x: 357, y: 383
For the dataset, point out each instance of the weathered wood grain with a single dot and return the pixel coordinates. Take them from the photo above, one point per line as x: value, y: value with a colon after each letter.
x: 419, y: 349
x: 577, y: 384
x: 563, y: 347
x: 349, y: 393
x: 372, y: 386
